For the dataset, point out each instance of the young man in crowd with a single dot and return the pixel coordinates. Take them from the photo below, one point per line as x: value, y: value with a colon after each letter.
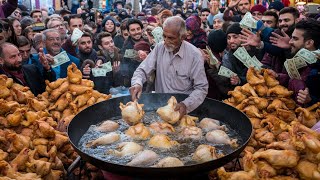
x: 238, y: 9
x: 36, y: 15
x: 270, y: 19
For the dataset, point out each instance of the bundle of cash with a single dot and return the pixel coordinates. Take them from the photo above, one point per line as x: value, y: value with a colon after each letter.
x: 243, y: 56
x: 308, y: 56
x: 248, y: 21
x: 59, y: 59
x: 292, y: 69
x: 107, y: 66
x: 76, y: 34
x: 223, y: 71
x: 213, y: 59
x: 98, y: 72
x: 157, y: 33
x: 130, y: 53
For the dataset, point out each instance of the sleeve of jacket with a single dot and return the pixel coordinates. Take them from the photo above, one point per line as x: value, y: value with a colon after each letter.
x: 200, y: 84
x: 49, y: 75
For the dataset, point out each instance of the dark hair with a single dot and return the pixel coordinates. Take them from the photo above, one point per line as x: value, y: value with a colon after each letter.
x: 311, y: 28
x: 134, y: 21
x: 35, y: 11
x: 27, y: 30
x: 22, y: 41
x: 295, y: 13
x: 272, y: 13
x: 102, y: 35
x: 123, y: 25
x: 205, y: 10
x: 87, y: 33
x: 74, y: 16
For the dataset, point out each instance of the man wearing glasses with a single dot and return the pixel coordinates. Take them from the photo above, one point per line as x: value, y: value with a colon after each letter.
x: 7, y: 8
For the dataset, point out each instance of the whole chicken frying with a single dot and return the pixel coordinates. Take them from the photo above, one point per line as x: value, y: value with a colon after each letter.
x: 187, y: 120
x: 167, y: 113
x: 108, y: 126
x: 208, y: 124
x: 191, y: 132
x: 162, y: 128
x: 204, y: 153
x: 220, y: 137
x: 162, y: 141
x: 169, y: 162
x: 279, y: 158
x: 126, y: 149
x: 104, y: 140
x: 144, y: 158
x: 132, y: 112
x: 139, y: 132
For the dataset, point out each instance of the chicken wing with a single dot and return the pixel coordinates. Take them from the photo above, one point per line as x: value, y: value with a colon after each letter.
x: 167, y: 113
x: 162, y: 141
x: 74, y: 74
x: 108, y: 126
x: 132, y: 112
x: 138, y: 131
x: 126, y: 149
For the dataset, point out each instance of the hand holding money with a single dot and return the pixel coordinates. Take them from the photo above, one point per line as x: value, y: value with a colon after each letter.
x: 235, y: 80
x: 303, y: 96
x: 76, y: 34
x: 248, y: 22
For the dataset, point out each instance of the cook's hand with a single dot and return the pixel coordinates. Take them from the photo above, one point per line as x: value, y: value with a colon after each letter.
x: 135, y: 91
x: 303, y: 96
x: 43, y: 59
x: 86, y: 71
x: 234, y: 80
x: 182, y: 108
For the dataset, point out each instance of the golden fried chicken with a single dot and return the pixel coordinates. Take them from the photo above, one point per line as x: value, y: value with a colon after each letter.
x: 39, y: 103
x: 74, y: 74
x: 169, y: 162
x: 274, y: 124
x: 255, y: 123
x: 270, y: 80
x: 308, y: 170
x: 138, y: 131
x: 126, y: 149
x: 55, y: 84
x: 279, y: 158
x: 15, y: 118
x: 132, y: 112
x: 205, y: 153
x: 311, y: 142
x: 8, y: 106
x: 248, y: 90
x: 21, y: 96
x: 265, y: 170
x: 261, y: 103
x: 108, y: 126
x: 17, y: 142
x: 306, y: 117
x: 281, y: 145
x: 87, y: 82
x: 104, y: 140
x: 77, y: 89
x: 18, y: 163
x: 290, y: 103
x: 237, y: 95
x: 62, y: 102
x: 162, y: 141
x: 261, y: 90
x: 286, y: 115
x: 191, y: 132
x: 167, y: 113
x: 162, y: 128
x: 43, y: 129
x: 264, y: 136
x: 252, y: 111
x: 3, y: 155
x: 254, y: 77
x: 220, y: 137
x: 56, y: 93
x: 82, y: 99
x: 238, y: 175
x: 4, y: 91
x: 30, y: 117
x: 187, y: 120
x: 279, y: 91
x: 144, y: 158
x: 276, y: 104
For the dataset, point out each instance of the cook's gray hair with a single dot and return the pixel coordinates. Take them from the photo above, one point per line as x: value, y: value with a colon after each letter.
x: 176, y: 21
x: 45, y: 32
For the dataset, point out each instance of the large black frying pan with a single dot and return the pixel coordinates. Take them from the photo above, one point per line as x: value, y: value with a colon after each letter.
x: 209, y: 108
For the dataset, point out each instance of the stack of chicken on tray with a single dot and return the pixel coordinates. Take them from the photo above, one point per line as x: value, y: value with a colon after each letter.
x: 33, y: 141
x: 283, y: 145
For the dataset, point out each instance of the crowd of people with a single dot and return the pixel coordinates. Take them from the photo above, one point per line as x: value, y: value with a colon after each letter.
x: 162, y: 48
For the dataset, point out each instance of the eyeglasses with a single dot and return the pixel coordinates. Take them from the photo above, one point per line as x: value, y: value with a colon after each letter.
x: 58, y: 26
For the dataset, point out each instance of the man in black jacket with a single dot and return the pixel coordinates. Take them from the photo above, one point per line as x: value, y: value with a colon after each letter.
x: 26, y: 75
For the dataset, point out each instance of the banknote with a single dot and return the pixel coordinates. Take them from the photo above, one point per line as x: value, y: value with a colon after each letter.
x: 242, y: 54
x: 307, y: 55
x: 223, y: 71
x: 157, y: 33
x: 130, y: 53
x: 299, y: 62
x: 107, y: 66
x: 292, y: 69
x: 59, y: 59
x: 213, y: 59
x: 76, y: 34
x: 253, y: 62
x: 317, y: 52
x: 98, y: 72
x: 248, y: 21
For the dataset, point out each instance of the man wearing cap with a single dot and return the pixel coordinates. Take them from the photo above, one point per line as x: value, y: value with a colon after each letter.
x: 257, y: 11
x: 178, y: 65
x: 276, y: 6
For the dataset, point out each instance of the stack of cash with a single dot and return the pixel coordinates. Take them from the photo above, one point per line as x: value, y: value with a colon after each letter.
x: 248, y: 22
x: 76, y: 34
x: 59, y: 59
x: 157, y: 33
x: 223, y: 71
x: 243, y: 56
x: 130, y: 53
x: 213, y: 59
x: 102, y: 71
x: 300, y: 60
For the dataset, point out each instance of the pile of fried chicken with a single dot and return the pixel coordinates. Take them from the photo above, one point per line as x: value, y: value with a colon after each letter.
x: 33, y: 141
x: 283, y: 145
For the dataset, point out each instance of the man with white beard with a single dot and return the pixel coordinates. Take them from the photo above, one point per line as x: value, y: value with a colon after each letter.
x: 179, y: 68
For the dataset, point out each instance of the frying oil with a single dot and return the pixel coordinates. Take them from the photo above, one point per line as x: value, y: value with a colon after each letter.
x: 184, y: 151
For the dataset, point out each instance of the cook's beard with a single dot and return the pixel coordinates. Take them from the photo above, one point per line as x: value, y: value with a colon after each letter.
x: 169, y: 48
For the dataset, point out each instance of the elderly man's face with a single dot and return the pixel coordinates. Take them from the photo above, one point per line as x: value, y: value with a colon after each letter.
x: 11, y: 58
x: 172, y: 38
x: 58, y: 25
x: 53, y: 43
